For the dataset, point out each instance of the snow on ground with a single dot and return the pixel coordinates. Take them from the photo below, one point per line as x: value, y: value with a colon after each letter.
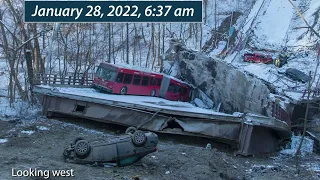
x: 3, y: 140
x: 4, y: 76
x: 43, y: 128
x: 199, y: 103
x: 140, y: 100
x: 273, y: 25
x: 306, y: 147
x: 219, y: 49
x: 313, y: 7
x: 21, y: 110
x: 29, y: 132
x: 251, y: 16
x: 276, y: 76
x: 299, y: 38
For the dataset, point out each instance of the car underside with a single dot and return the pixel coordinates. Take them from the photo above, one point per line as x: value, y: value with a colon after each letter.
x: 122, y: 150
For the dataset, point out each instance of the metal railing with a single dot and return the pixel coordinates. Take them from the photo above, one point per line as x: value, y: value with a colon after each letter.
x: 70, y: 79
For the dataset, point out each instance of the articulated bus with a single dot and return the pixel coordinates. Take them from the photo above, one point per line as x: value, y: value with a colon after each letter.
x: 118, y: 79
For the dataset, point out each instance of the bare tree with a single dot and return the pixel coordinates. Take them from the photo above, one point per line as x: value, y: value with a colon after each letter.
x: 127, y: 25
x: 109, y: 40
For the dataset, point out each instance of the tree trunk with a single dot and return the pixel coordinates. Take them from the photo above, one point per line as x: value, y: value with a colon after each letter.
x: 127, y: 59
x: 37, y: 55
x: 159, y: 45
x: 109, y: 41
x: 153, y: 45
x: 163, y: 36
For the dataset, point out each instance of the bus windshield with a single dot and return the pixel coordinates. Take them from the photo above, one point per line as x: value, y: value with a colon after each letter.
x: 105, y: 73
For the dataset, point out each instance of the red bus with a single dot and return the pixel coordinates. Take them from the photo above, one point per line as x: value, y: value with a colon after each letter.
x: 118, y: 79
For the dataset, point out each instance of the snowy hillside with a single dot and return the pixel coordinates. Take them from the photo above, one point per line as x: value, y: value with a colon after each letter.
x: 273, y: 25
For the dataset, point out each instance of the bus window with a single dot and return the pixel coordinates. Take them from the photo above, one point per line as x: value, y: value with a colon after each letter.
x: 127, y: 79
x: 176, y: 89
x: 120, y: 77
x: 182, y: 90
x: 153, y: 81
x: 145, y: 81
x: 159, y: 82
x: 136, y: 79
x: 98, y: 72
x: 171, y: 88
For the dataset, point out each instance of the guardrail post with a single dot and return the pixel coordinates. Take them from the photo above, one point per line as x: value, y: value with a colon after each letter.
x: 62, y: 80
x: 69, y: 80
x: 54, y: 79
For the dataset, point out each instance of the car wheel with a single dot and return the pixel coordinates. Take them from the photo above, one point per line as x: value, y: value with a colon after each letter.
x: 123, y: 90
x: 153, y: 92
x: 185, y: 55
x: 131, y: 130
x: 192, y: 56
x: 139, y: 138
x: 82, y: 148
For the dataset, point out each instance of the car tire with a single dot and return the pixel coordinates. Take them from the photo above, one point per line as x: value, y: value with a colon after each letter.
x: 131, y: 130
x: 123, y: 90
x: 139, y: 138
x: 153, y: 92
x: 82, y: 148
x: 185, y: 55
x: 192, y: 56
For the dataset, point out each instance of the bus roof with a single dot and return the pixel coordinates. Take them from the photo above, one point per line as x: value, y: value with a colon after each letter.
x: 132, y: 67
x: 138, y: 68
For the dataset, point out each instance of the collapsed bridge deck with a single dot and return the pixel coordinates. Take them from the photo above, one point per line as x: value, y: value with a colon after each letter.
x: 160, y: 115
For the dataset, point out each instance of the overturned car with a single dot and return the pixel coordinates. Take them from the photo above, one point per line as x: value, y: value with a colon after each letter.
x: 122, y: 150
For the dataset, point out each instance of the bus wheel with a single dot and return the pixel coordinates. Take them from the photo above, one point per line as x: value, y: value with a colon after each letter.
x: 123, y: 90
x: 153, y: 92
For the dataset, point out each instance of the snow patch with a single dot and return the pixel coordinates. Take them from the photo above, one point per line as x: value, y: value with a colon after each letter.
x: 42, y: 128
x: 3, y: 140
x: 21, y: 110
x: 273, y: 24
x: 306, y: 148
x: 27, y: 132
x: 200, y: 103
x: 252, y: 14
x: 221, y: 45
x: 314, y: 7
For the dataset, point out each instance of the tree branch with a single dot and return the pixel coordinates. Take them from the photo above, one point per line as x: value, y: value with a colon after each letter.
x: 305, y: 21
